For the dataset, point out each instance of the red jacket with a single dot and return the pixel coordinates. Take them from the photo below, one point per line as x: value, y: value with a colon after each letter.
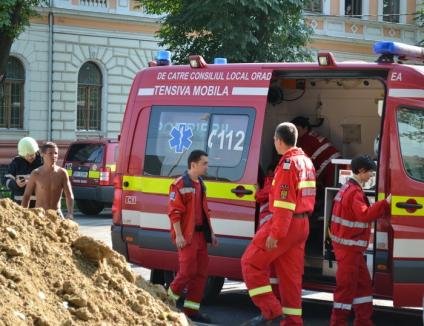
x: 181, y: 207
x: 351, y: 217
x: 320, y: 150
x: 293, y: 190
x: 262, y: 197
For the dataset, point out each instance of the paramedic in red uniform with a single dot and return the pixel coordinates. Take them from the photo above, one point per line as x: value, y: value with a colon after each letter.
x: 191, y: 230
x: 262, y: 198
x: 350, y: 232
x: 281, y: 241
x: 319, y: 149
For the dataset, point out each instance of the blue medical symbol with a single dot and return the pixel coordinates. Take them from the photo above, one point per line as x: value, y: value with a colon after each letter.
x: 180, y: 138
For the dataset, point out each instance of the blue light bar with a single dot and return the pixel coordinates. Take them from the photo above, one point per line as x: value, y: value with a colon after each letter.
x: 220, y: 61
x: 399, y: 49
x: 163, y: 58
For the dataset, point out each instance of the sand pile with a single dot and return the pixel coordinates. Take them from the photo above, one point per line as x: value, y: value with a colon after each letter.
x: 50, y: 275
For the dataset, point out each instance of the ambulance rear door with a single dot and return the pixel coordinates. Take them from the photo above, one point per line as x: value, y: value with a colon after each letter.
x: 405, y: 116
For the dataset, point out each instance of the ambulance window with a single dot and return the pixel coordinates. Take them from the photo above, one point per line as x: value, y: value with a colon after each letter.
x: 224, y: 133
x: 411, y: 136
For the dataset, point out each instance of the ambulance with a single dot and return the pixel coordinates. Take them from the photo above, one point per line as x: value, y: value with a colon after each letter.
x: 231, y: 111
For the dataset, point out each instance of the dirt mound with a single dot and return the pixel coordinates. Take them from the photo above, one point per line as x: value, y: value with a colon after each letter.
x: 50, y: 275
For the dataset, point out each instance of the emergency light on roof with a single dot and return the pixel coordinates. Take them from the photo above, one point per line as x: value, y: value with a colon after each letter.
x: 163, y: 58
x: 220, y: 61
x: 399, y: 49
x: 197, y: 61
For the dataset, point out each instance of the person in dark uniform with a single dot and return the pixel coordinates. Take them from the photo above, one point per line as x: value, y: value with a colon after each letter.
x: 21, y: 167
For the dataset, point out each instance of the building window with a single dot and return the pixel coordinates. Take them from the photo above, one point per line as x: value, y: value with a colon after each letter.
x: 89, y: 97
x: 353, y: 8
x: 12, y: 106
x: 313, y: 5
x: 391, y: 10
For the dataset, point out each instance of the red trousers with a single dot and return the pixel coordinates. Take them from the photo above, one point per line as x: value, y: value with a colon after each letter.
x: 192, y: 273
x: 353, y: 289
x: 288, y: 261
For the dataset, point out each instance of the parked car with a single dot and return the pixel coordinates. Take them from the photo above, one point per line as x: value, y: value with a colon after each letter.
x: 91, y: 166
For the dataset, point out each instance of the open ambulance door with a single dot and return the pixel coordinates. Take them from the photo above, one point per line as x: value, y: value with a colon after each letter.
x: 403, y: 160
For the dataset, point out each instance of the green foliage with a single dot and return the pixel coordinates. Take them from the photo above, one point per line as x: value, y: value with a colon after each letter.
x: 240, y: 30
x: 15, y: 15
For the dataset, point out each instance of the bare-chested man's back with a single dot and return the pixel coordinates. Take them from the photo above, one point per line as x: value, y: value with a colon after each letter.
x: 49, y: 182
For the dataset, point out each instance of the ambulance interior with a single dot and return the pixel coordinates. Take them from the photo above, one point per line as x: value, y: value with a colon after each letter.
x: 347, y: 111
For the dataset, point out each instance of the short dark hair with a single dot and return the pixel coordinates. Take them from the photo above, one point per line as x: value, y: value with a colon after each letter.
x: 48, y: 145
x: 302, y: 122
x: 195, y: 156
x: 287, y: 132
x: 362, y: 162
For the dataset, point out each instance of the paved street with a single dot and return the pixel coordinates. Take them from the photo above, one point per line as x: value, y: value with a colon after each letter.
x: 233, y: 305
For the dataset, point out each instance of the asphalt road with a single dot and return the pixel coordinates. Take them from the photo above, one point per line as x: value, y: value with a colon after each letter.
x: 233, y: 305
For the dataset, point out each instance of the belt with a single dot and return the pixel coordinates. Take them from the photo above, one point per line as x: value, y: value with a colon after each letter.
x: 300, y: 215
x: 199, y: 228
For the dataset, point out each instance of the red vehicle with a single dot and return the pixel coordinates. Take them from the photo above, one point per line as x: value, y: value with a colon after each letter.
x: 231, y: 110
x: 91, y: 166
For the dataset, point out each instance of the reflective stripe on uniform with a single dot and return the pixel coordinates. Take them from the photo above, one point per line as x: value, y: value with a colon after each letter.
x: 306, y: 184
x: 69, y: 171
x: 343, y: 306
x: 326, y: 162
x: 349, y: 224
x: 292, y: 311
x: 362, y: 300
x: 284, y: 204
x: 266, y: 205
x: 319, y: 151
x: 260, y: 290
x: 93, y: 174
x: 349, y: 242
x: 186, y: 190
x: 173, y: 295
x: 192, y: 305
x: 266, y: 218
x: 273, y: 280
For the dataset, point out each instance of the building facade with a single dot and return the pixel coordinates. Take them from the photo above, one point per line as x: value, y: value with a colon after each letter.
x: 70, y: 72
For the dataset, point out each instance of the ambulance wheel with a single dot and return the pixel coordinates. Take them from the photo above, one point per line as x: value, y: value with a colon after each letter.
x: 159, y: 276
x: 90, y: 207
x: 213, y: 287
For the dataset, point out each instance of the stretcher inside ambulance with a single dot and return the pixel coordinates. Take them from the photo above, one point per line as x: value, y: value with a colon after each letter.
x: 230, y: 111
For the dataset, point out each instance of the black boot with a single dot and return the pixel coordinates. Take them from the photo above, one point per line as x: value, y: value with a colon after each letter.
x: 261, y: 320
x: 201, y: 318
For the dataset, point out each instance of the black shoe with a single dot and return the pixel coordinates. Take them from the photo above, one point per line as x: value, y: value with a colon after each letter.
x: 261, y: 320
x: 201, y: 318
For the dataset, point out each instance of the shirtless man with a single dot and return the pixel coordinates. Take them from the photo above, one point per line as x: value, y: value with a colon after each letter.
x: 49, y: 181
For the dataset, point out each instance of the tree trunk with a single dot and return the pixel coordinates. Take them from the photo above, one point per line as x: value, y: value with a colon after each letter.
x: 6, y: 44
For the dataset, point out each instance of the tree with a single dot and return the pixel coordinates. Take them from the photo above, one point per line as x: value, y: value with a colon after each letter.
x: 419, y: 15
x: 239, y: 30
x: 14, y: 17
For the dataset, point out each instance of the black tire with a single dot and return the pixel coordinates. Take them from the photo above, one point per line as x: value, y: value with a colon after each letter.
x: 90, y: 207
x: 213, y: 288
x: 159, y: 276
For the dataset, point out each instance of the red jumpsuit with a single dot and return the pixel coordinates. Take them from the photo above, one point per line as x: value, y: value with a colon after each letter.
x: 262, y: 197
x: 292, y: 197
x: 321, y: 152
x: 350, y: 233
x: 193, y: 258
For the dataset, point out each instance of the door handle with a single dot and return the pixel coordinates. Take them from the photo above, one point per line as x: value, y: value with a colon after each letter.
x: 241, y: 191
x: 408, y: 205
